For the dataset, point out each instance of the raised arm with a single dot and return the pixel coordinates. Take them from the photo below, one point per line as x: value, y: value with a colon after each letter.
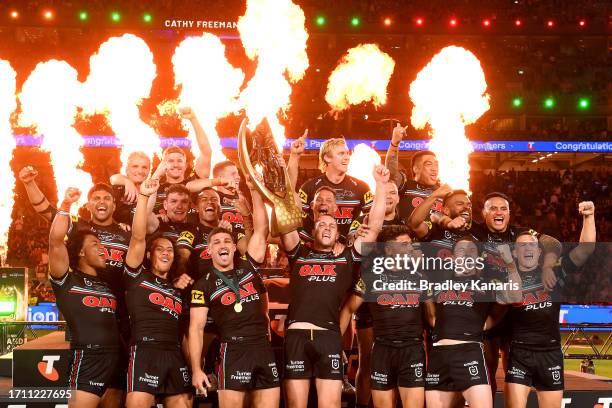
x: 392, y: 158
x: 58, y: 253
x: 588, y: 235
x: 39, y: 202
x: 417, y: 219
x: 514, y: 291
x: 202, y: 164
x: 197, y: 185
x: 136, y: 251
x: 293, y: 165
x: 257, y: 244
x: 376, y: 217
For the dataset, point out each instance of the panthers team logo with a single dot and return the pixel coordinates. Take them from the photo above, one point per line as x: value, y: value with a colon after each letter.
x: 418, y: 372
x: 473, y: 370
x: 274, y: 372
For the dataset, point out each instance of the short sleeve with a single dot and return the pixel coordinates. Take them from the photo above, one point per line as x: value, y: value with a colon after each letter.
x: 359, y: 287
x: 367, y: 200
x: 293, y: 253
x: 132, y: 273
x: 199, y: 296
x: 304, y: 197
x: 61, y: 281
x: 355, y: 225
x: 186, y: 238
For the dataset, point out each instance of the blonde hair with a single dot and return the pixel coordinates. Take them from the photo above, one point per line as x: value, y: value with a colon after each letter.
x: 326, y: 149
x: 136, y: 155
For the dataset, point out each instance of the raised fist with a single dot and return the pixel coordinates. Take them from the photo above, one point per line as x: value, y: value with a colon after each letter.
x: 27, y: 174
x: 299, y: 144
x: 186, y: 112
x: 381, y: 174
x: 149, y: 186
x: 586, y: 208
x: 72, y: 195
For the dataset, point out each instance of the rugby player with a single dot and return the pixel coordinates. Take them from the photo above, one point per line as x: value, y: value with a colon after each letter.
x: 125, y: 188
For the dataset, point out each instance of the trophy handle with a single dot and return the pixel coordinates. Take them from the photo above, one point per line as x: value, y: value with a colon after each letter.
x: 245, y: 161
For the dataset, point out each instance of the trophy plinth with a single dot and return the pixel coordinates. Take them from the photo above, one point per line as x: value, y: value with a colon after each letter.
x: 275, y: 186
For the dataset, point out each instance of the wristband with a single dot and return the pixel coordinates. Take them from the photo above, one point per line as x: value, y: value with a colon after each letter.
x: 394, y: 145
x: 42, y: 200
x: 65, y: 213
x: 144, y: 195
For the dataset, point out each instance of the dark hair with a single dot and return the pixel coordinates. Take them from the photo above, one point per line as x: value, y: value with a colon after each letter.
x: 100, y: 187
x: 454, y: 193
x: 149, y: 247
x: 391, y: 232
x: 177, y: 189
x: 74, y: 245
x: 219, y: 230
x: 470, y: 238
x: 173, y: 149
x: 325, y: 188
x: 418, y: 155
x: 220, y: 166
x: 197, y: 197
x: 496, y: 194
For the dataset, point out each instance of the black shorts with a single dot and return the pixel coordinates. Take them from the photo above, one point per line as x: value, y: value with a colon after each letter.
x: 313, y: 354
x: 397, y: 365
x: 542, y: 369
x: 158, y: 370
x: 363, y: 317
x: 247, y: 366
x: 95, y: 370
x: 456, y: 367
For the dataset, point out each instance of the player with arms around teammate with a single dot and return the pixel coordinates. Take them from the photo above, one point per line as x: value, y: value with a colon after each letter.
x: 535, y: 357
x: 156, y: 365
x: 233, y: 293
x: 89, y: 306
x: 313, y: 343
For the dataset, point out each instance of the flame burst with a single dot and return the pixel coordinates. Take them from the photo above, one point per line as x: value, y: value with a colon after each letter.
x: 449, y: 93
x: 362, y: 75
x: 7, y: 180
x: 209, y: 84
x: 273, y: 32
x: 121, y: 76
x: 49, y: 100
x: 363, y: 161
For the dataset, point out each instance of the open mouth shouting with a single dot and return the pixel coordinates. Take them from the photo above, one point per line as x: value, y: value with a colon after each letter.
x: 224, y: 254
x: 466, y: 215
x: 499, y: 220
x: 102, y: 210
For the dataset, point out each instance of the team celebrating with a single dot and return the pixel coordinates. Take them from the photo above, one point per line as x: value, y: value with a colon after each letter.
x: 169, y: 263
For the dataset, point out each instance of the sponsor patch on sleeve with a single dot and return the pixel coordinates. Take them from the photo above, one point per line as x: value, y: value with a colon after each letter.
x: 187, y: 237
x: 303, y: 196
x: 197, y: 297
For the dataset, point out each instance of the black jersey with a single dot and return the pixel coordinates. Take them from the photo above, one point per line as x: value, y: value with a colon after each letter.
x: 396, y: 313
x: 201, y: 261
x: 460, y: 314
x: 535, y: 322
x: 386, y: 223
x: 114, y: 241
x: 162, y: 194
x: 353, y: 197
x: 212, y: 292
x: 182, y: 233
x: 412, y: 194
x: 230, y: 214
x: 89, y: 306
x: 508, y: 236
x: 124, y: 210
x: 319, y: 282
x: 154, y: 307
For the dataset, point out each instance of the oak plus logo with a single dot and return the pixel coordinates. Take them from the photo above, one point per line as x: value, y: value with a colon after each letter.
x: 46, y: 369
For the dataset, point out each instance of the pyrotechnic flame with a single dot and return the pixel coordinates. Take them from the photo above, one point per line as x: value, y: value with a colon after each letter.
x: 121, y: 75
x: 363, y: 161
x: 362, y: 75
x: 449, y: 93
x: 49, y: 99
x: 210, y: 85
x: 7, y: 180
x: 273, y: 32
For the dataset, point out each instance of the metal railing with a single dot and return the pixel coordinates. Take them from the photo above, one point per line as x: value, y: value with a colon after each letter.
x: 580, y: 331
x: 15, y: 333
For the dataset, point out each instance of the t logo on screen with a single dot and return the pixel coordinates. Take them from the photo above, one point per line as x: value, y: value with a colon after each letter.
x: 45, y: 368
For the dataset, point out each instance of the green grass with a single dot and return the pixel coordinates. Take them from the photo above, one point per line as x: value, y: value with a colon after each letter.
x: 602, y: 367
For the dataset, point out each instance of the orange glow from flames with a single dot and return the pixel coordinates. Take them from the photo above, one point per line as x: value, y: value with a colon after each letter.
x: 49, y: 99
x: 121, y: 75
x: 7, y: 179
x: 448, y: 94
x: 362, y: 75
x: 273, y: 32
x: 208, y: 84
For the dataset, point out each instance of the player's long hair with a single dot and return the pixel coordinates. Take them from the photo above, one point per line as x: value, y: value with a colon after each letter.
x: 172, y: 273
